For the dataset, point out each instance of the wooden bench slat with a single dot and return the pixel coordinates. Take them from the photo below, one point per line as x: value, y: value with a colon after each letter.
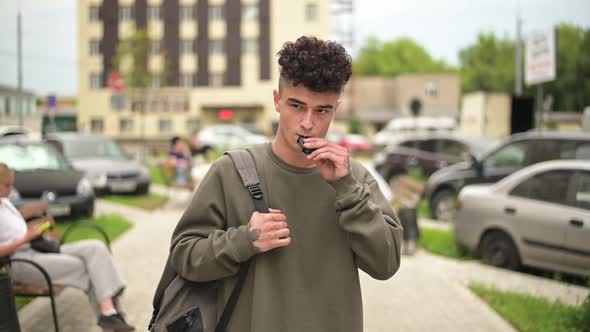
x: 34, y: 290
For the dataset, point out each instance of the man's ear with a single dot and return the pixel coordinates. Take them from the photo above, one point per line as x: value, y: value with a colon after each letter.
x: 277, y: 99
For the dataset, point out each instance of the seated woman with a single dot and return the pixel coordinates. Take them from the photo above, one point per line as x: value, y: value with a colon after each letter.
x: 86, y: 265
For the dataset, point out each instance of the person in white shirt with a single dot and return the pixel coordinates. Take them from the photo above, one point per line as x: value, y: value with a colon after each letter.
x: 86, y: 264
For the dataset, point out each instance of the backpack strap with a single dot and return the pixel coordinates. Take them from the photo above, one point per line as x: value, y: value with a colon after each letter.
x: 247, y: 169
x: 245, y: 166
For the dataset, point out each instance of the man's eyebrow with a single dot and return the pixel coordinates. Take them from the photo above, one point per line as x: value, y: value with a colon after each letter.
x: 297, y: 101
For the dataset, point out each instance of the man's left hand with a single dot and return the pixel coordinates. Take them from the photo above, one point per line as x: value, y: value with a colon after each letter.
x: 331, y: 158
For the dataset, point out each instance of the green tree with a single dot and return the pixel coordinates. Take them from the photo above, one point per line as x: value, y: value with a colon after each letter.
x: 392, y: 58
x: 488, y: 65
x: 571, y: 89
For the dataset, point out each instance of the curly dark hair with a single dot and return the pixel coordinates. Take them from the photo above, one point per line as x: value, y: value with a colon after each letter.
x: 321, y: 66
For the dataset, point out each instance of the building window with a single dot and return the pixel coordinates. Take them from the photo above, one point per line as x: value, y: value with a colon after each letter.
x: 215, y: 79
x: 94, y: 47
x: 216, y: 46
x: 216, y: 13
x: 250, y: 46
x: 94, y: 15
x: 165, y: 125
x: 431, y: 89
x: 153, y: 13
x: 186, y: 13
x: 311, y: 12
x: 95, y: 81
x: 250, y: 12
x: 156, y: 46
x: 125, y: 125
x: 156, y: 81
x: 186, y: 46
x: 192, y: 125
x: 186, y: 80
x: 96, y: 125
x: 125, y: 14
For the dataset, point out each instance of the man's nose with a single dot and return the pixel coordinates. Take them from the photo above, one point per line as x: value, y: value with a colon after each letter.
x: 306, y: 121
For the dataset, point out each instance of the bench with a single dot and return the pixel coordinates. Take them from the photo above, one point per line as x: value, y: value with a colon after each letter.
x: 407, y: 196
x: 48, y: 289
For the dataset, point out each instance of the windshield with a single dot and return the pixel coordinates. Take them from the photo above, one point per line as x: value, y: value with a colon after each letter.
x: 31, y: 157
x: 86, y: 148
x: 481, y: 146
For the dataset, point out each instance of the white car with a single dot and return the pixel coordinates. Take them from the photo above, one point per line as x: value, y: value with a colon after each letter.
x: 538, y: 216
x: 228, y: 137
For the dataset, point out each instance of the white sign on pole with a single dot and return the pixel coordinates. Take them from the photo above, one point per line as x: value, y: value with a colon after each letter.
x: 540, y: 58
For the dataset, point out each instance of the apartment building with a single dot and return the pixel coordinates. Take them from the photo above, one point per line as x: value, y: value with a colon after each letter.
x: 205, y: 57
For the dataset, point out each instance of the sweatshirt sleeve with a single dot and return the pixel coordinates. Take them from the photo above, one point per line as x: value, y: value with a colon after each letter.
x: 203, y: 247
x: 374, y: 230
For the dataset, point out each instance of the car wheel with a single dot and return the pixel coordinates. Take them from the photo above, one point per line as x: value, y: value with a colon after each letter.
x: 444, y: 205
x: 497, y: 249
x: 142, y: 190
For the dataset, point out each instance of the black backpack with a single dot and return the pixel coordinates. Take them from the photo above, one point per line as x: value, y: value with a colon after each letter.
x: 181, y: 305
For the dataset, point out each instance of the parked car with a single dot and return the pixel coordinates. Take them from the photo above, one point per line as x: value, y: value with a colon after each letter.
x: 106, y: 164
x: 353, y: 142
x: 10, y: 130
x: 429, y: 152
x: 421, y: 124
x: 227, y: 137
x: 538, y: 216
x: 519, y: 151
x: 42, y: 173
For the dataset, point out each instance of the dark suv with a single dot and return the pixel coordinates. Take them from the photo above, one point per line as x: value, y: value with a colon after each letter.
x: 42, y: 173
x: 429, y: 152
x: 519, y: 151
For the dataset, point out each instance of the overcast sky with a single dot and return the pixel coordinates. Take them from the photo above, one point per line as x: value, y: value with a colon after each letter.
x: 442, y: 27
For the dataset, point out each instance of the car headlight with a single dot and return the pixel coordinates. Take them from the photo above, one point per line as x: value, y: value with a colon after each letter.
x: 84, y: 188
x: 98, y: 180
x: 14, y: 195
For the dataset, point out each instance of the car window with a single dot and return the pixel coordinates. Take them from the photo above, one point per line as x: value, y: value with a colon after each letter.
x: 31, y: 157
x: 452, y: 148
x: 409, y: 144
x: 87, y: 148
x: 582, y: 150
x: 582, y: 197
x: 551, y: 186
x: 513, y: 155
x: 428, y: 145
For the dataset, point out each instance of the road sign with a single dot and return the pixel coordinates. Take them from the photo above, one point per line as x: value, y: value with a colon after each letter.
x: 540, y: 58
x: 116, y: 83
x: 51, y: 106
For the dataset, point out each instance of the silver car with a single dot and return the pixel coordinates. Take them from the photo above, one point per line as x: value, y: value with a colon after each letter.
x: 538, y: 216
x: 228, y: 137
x: 108, y: 167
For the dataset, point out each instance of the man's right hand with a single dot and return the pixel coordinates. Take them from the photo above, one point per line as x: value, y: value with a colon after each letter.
x: 270, y: 230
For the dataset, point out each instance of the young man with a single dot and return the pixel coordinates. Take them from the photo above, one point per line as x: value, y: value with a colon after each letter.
x: 180, y: 159
x: 328, y: 217
x: 86, y: 265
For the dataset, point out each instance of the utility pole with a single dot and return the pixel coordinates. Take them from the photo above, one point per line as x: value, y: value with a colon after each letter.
x: 19, y: 100
x: 344, y: 33
x: 518, y: 60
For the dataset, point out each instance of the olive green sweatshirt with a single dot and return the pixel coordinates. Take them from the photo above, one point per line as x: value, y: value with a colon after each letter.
x: 312, y: 284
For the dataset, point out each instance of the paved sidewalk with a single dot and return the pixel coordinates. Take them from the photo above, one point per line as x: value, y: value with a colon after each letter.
x: 428, y: 293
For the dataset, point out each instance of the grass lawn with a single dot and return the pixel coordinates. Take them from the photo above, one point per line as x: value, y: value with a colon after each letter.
x: 529, y: 313
x: 147, y: 202
x: 156, y: 175
x: 440, y: 242
x: 113, y: 225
